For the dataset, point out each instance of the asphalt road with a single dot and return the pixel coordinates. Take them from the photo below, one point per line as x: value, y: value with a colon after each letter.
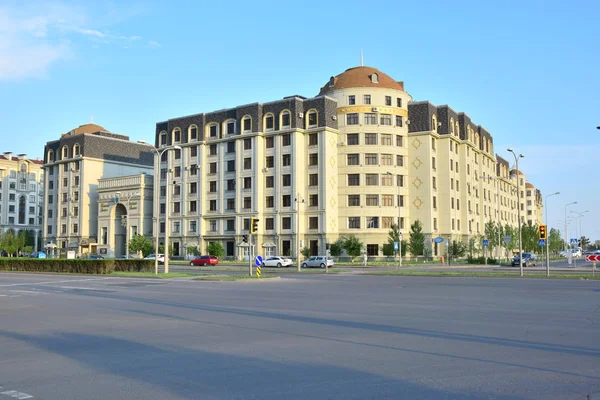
x: 300, y: 337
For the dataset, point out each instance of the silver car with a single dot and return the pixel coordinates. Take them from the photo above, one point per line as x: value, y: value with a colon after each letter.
x: 318, y: 261
x: 277, y: 262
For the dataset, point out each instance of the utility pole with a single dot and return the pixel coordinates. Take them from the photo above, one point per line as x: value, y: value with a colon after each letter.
x: 519, y: 208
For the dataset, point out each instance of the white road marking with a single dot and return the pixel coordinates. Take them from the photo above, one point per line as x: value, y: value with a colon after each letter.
x: 25, y: 291
x: 52, y: 282
x: 17, y: 395
x: 76, y: 287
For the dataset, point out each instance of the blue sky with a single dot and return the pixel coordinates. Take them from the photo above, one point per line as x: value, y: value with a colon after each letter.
x: 526, y: 70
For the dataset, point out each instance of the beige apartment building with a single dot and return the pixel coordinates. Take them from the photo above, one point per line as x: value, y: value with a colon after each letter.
x: 356, y: 159
x: 21, y: 196
x: 74, y: 165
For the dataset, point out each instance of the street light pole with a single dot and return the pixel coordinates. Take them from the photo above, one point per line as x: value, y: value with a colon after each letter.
x: 579, y: 215
x: 156, y: 200
x: 298, y: 200
x: 566, y: 236
x: 547, y: 234
x: 518, y: 208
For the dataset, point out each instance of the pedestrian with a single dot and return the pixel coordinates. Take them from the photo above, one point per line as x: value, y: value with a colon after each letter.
x: 364, y: 259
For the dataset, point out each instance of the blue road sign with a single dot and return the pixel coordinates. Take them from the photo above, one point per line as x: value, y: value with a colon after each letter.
x: 486, y: 242
x: 396, y: 246
x: 258, y: 261
x: 573, y: 241
x: 438, y: 239
x: 541, y: 242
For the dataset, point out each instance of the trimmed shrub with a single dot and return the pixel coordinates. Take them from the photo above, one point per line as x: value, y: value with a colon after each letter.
x: 77, y: 266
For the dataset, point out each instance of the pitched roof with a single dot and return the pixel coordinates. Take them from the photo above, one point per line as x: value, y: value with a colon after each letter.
x: 87, y: 128
x: 361, y: 77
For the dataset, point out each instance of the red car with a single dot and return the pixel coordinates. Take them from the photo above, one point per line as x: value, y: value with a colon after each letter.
x: 205, y: 260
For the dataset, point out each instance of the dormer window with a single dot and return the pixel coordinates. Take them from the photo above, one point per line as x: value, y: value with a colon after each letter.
x: 331, y: 81
x: 312, y: 118
x: 163, y: 138
x: 177, y: 136
x: 433, y: 123
x: 193, y: 133
x: 76, y: 150
x: 23, y: 167
x: 65, y: 152
x: 213, y: 131
x: 269, y: 122
x: 285, y: 119
x: 231, y: 127
x: 374, y: 78
x: 50, y: 156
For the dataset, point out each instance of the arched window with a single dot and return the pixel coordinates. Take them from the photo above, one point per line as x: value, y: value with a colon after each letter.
x: 434, y: 125
x: 176, y: 135
x: 22, y: 207
x: 50, y: 157
x: 452, y: 126
x: 23, y: 167
x: 229, y: 127
x: 213, y: 131
x: 247, y: 124
x: 375, y: 78
x: 285, y: 119
x: 192, y: 133
x: 269, y: 122
x: 76, y: 150
x: 65, y: 152
x: 312, y: 119
x: 457, y: 130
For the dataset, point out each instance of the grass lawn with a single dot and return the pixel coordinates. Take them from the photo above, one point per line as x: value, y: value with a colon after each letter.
x: 220, y: 278
x: 485, y: 274
x: 152, y: 275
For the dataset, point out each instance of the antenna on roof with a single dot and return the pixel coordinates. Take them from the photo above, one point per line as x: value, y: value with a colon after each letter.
x: 361, y: 57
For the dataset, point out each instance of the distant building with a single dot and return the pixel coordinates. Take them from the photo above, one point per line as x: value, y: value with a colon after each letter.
x: 21, y: 196
x: 74, y: 165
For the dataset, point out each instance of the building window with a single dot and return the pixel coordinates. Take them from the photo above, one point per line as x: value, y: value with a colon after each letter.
x: 63, y: 229
x: 286, y: 139
x: 386, y: 159
x: 248, y: 144
x: 367, y: 99
x: 230, y: 204
x: 286, y: 180
x: 193, y: 133
x: 312, y: 118
x: 372, y: 179
x: 434, y: 202
x: 386, y: 140
x: 269, y: 162
x: 353, y: 200
x: 231, y: 147
x: 176, y: 207
x: 371, y: 138
x: 386, y: 180
x: 285, y: 119
x: 212, y: 150
x: 352, y: 139
x: 230, y: 166
x: 387, y: 200
x: 247, y: 202
x: 372, y: 200
x: 212, y: 205
x: 286, y: 160
x: 386, y: 222
x: 230, y: 184
x: 351, y: 100
x: 193, y: 206
x: 313, y: 223
x: 385, y: 119
x: 388, y: 100
x: 213, y: 225
x: 372, y: 222
x: 269, y: 224
x: 313, y: 180
x: 231, y: 127
x: 193, y: 226
x: 433, y: 162
x: 213, y: 131
x: 247, y: 182
x: 313, y: 159
x: 371, y: 159
x: 353, y: 179
x: 287, y: 200
x: 270, y: 201
x: 176, y: 136
x: 399, y: 141
x: 269, y: 181
x: 398, y: 102
x: 433, y: 182
x: 354, y: 223
x: 400, y: 160
x: 313, y: 139
x: 286, y: 223
x: 177, y: 171
x: 313, y: 200
x: 230, y: 225
x: 400, y: 180
x: 247, y: 163
x: 247, y: 124
x: 353, y: 159
x: 352, y: 119
x: 370, y: 119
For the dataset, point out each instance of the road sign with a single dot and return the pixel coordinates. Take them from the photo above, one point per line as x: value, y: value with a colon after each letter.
x: 438, y: 239
x: 541, y: 242
x: 592, y: 258
x: 396, y: 246
x: 258, y: 261
x: 507, y: 239
x: 486, y: 242
x: 573, y: 241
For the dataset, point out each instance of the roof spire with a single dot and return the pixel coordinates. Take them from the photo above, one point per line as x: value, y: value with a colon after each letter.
x: 361, y: 57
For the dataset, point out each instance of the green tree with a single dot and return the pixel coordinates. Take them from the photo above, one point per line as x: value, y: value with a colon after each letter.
x: 9, y: 243
x: 457, y: 249
x: 491, y: 233
x: 529, y: 237
x: 336, y: 249
x: 305, y: 252
x: 556, y: 243
x: 215, y: 249
x: 514, y: 237
x: 193, y: 250
x: 584, y: 242
x: 141, y: 243
x: 353, y: 246
x: 394, y: 236
x: 416, y: 241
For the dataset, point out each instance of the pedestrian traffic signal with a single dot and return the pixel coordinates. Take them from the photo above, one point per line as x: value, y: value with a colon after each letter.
x: 254, y: 226
x: 542, y: 232
x: 245, y: 238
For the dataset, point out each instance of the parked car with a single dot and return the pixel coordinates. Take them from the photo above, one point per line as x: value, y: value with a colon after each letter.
x: 277, y: 262
x: 317, y: 261
x: 528, y: 259
x: 205, y: 260
x: 95, y: 257
x: 161, y: 257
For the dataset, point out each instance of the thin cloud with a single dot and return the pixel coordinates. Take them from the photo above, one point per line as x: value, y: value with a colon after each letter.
x: 153, y: 44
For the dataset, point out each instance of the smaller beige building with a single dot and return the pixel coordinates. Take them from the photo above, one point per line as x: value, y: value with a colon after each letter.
x: 124, y: 210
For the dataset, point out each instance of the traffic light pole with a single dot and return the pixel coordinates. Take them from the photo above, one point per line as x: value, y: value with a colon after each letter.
x: 250, y: 258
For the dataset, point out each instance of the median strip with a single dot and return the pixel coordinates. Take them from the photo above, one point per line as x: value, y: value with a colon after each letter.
x: 475, y: 274
x: 230, y: 278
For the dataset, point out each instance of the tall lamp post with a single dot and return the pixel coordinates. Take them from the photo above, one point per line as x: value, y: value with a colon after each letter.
x: 298, y: 200
x: 566, y: 235
x: 548, y: 236
x: 518, y: 208
x: 158, y: 156
x: 399, y: 217
x: 579, y: 215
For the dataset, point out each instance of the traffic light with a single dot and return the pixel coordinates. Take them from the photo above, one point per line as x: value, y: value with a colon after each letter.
x: 542, y: 232
x: 245, y: 238
x: 254, y: 226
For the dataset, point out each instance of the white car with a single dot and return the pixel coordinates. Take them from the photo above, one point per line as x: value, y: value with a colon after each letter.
x: 318, y: 261
x: 571, y: 252
x: 161, y: 257
x: 277, y: 262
